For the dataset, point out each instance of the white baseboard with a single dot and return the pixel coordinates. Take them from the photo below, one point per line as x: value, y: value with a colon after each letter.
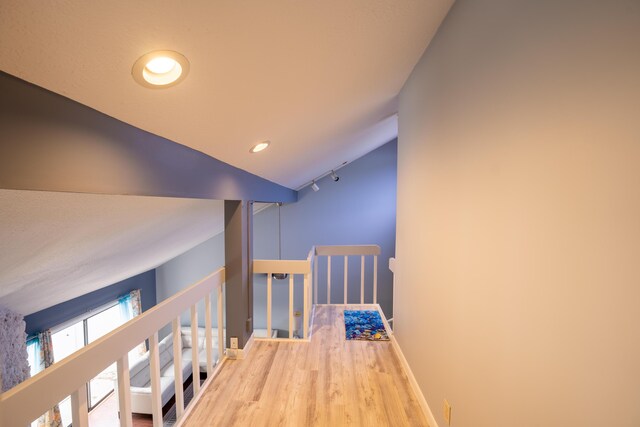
x: 407, y: 369
x: 241, y: 353
x: 414, y: 384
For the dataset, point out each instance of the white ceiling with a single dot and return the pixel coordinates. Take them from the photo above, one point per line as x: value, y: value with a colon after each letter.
x: 58, y: 246
x: 317, y: 78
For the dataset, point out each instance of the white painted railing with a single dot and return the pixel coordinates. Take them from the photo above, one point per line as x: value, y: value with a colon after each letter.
x: 361, y: 251
x: 27, y: 401
x: 290, y: 267
x: 30, y: 399
x: 393, y: 266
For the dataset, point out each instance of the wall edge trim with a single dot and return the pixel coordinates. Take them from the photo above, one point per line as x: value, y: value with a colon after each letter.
x: 414, y: 383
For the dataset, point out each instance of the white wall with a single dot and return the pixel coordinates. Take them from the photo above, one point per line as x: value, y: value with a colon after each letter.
x: 519, y: 214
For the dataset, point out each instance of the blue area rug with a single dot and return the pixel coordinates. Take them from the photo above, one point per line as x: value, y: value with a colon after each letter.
x: 365, y: 325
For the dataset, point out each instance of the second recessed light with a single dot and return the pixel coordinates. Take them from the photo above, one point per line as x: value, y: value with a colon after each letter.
x: 260, y: 146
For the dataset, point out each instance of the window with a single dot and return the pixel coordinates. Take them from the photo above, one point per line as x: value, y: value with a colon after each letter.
x: 74, y: 337
x: 71, y: 337
x: 65, y: 342
x: 98, y: 326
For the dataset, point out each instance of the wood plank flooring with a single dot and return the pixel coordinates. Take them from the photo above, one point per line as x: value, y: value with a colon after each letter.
x: 327, y: 382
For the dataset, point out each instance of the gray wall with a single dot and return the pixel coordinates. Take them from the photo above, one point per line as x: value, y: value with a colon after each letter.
x: 518, y: 214
x: 187, y: 269
x: 358, y: 209
x: 60, y: 313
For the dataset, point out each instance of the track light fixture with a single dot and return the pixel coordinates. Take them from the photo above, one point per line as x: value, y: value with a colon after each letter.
x: 332, y: 173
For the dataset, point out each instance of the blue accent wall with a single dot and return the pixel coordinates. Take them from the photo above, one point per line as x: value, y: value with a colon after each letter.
x: 360, y: 208
x: 68, y: 310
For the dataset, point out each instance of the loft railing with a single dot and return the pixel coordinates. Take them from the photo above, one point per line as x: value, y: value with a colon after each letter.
x: 311, y: 283
x: 291, y: 268
x: 27, y: 401
x: 332, y: 252
x: 24, y: 403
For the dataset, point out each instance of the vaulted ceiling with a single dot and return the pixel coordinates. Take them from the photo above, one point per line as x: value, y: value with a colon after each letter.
x: 319, y: 79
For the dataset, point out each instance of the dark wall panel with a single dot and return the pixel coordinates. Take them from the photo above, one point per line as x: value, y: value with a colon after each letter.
x: 51, y: 143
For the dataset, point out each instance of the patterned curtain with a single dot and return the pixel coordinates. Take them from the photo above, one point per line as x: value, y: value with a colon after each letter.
x: 45, y: 359
x: 130, y: 307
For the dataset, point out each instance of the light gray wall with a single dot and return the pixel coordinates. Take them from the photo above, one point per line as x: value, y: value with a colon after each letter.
x: 518, y: 205
x: 187, y: 269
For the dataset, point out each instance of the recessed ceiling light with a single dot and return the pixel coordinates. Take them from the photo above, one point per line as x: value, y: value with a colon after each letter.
x: 160, y: 69
x: 260, y: 146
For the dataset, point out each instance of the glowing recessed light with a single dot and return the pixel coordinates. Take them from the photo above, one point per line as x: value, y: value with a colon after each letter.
x: 260, y: 146
x: 160, y: 69
x: 161, y: 65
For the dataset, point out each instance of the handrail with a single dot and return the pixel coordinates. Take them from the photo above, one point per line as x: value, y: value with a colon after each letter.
x: 281, y: 266
x: 337, y: 250
x: 290, y: 267
x: 345, y: 251
x: 27, y: 401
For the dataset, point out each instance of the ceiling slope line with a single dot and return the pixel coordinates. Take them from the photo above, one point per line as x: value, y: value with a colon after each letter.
x: 52, y: 143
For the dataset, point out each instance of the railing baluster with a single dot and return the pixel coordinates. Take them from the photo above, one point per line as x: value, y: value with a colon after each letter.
x: 207, y: 333
x: 79, y: 407
x: 220, y: 325
x: 71, y: 378
x: 375, y: 279
x: 362, y: 280
x: 315, y: 279
x: 124, y: 392
x: 306, y: 307
x: 195, y: 358
x: 290, y: 305
x: 346, y: 267
x: 329, y: 279
x: 177, y: 367
x: 312, y: 284
x: 269, y: 284
x: 154, y: 365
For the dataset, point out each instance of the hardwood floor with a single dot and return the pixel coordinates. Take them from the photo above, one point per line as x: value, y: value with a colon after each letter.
x: 106, y: 413
x: 327, y: 382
